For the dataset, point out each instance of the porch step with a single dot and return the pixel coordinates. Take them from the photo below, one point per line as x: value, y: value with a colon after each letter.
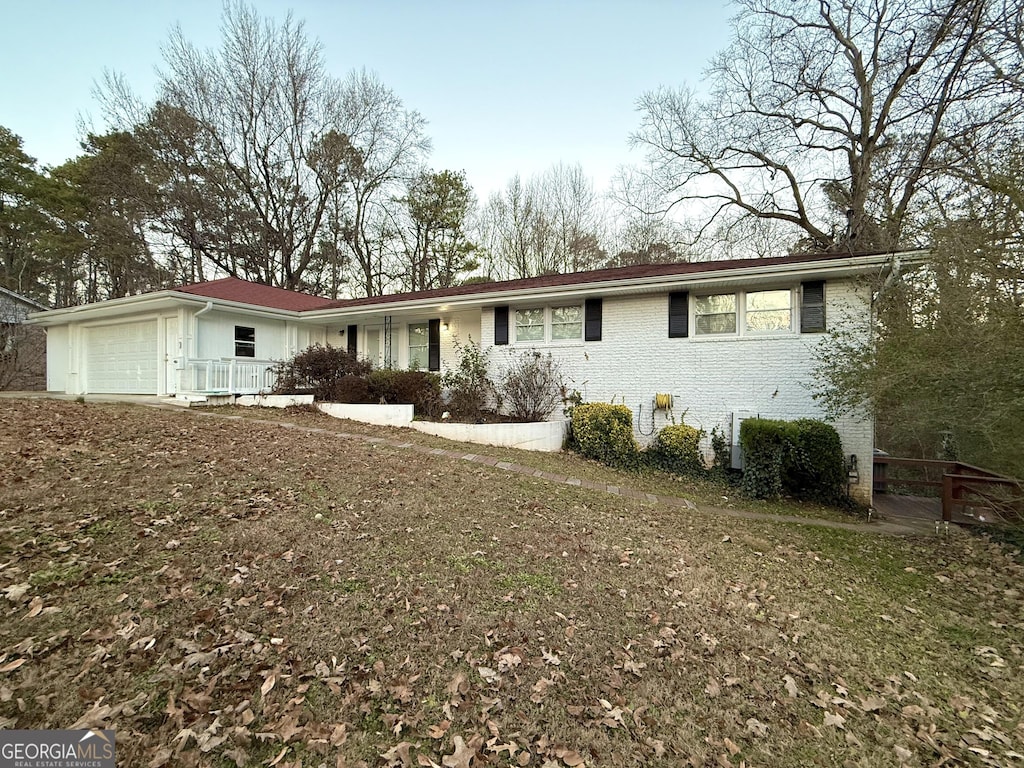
x: 210, y: 398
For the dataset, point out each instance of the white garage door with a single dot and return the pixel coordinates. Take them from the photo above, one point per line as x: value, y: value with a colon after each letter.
x: 122, y: 359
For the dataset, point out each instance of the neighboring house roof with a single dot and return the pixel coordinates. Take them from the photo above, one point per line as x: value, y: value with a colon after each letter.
x: 244, y: 292
x: 30, y: 305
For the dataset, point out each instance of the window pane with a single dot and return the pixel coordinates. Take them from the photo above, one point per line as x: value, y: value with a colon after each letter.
x: 769, y: 311
x: 718, y: 304
x: 566, y: 323
x: 715, y: 314
x: 418, y: 338
x: 245, y: 341
x: 529, y: 325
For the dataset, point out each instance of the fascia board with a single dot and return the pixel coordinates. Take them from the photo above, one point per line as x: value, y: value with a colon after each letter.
x: 831, y: 269
x: 149, y: 302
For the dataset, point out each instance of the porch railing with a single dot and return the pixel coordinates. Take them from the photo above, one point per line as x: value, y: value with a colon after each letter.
x: 973, y: 491
x: 229, y: 376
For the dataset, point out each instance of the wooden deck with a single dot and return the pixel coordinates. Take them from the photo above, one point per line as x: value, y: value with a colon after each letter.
x: 896, y: 506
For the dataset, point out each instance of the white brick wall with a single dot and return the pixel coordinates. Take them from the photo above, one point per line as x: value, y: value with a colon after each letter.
x: 709, y: 379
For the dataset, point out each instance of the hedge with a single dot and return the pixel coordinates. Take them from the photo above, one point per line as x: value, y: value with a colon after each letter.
x: 604, y: 432
x: 802, y: 458
x: 677, y: 449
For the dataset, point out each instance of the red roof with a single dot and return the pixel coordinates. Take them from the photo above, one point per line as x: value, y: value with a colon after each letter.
x: 244, y: 292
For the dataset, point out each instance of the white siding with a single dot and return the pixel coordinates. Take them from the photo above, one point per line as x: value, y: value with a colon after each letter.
x: 57, y: 355
x: 215, y: 337
x: 709, y: 379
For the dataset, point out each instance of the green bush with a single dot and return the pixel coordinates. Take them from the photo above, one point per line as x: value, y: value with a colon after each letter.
x: 419, y: 388
x: 318, y: 369
x: 604, y: 432
x: 765, y: 443
x: 722, y: 462
x: 802, y: 458
x: 817, y: 470
x: 677, y: 449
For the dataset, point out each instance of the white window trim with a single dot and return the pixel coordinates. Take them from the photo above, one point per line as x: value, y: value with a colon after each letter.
x: 741, y: 331
x: 514, y: 339
x: 425, y: 347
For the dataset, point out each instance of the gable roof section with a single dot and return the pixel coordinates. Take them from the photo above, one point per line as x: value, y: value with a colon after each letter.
x: 255, y: 294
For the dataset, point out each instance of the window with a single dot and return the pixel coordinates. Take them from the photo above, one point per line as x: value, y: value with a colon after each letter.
x: 419, y: 344
x: 529, y: 325
x: 715, y: 314
x: 566, y: 323
x: 745, y: 313
x: 245, y: 341
x: 553, y: 324
x: 769, y: 311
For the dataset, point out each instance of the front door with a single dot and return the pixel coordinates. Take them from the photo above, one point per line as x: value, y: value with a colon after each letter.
x: 172, y: 355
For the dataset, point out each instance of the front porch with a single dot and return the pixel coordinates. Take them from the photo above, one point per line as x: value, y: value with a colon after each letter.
x: 223, y: 376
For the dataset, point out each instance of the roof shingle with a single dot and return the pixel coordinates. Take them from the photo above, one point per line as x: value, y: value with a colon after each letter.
x: 244, y: 292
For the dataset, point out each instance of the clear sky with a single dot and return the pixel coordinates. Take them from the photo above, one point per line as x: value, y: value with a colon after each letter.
x: 506, y: 87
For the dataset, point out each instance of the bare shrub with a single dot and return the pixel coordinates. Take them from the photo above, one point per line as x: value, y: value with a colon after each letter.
x: 532, y: 386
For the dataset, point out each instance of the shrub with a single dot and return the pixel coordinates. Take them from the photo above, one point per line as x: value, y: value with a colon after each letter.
x: 531, y: 386
x: 352, y: 389
x: 604, y: 432
x: 318, y: 369
x: 803, y: 458
x: 677, y: 449
x: 765, y: 443
x: 470, y: 391
x: 817, y: 470
x: 419, y: 388
x: 722, y: 452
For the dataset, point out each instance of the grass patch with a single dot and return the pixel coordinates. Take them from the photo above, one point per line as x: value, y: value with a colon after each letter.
x: 181, y: 590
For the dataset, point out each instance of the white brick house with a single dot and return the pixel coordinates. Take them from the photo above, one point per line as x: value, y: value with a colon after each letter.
x: 725, y: 339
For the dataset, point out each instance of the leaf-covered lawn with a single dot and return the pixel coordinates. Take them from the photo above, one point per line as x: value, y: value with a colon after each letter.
x: 226, y: 593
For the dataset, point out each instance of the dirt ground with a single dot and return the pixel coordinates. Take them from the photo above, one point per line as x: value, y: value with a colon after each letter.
x: 227, y: 593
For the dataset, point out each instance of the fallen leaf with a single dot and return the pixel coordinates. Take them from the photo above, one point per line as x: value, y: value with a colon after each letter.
x: 872, y: 703
x: 35, y: 607
x: 791, y: 687
x: 12, y: 665
x: 834, y: 720
x: 462, y: 755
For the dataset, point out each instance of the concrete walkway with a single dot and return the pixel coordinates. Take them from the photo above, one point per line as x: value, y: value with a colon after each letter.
x: 890, y: 527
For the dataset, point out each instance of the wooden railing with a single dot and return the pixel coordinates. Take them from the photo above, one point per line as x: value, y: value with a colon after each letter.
x: 230, y: 376
x: 975, y: 491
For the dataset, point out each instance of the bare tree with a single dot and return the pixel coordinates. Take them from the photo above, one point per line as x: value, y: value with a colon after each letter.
x: 551, y: 223
x: 390, y: 147
x: 828, y: 116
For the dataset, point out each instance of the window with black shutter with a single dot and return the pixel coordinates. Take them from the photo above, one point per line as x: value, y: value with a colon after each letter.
x: 812, y: 307
x: 592, y: 320
x: 434, y: 345
x: 678, y: 315
x: 350, y: 339
x: 500, y: 325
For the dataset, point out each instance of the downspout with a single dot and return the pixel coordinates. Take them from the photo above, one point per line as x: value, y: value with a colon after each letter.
x: 195, y: 330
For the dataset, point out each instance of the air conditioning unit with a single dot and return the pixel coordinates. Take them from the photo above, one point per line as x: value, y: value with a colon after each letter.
x: 738, y: 418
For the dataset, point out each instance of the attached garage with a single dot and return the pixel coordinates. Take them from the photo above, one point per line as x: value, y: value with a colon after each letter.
x: 122, y: 359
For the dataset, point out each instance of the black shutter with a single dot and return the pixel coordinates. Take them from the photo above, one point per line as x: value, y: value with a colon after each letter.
x: 812, y: 307
x: 592, y: 320
x: 501, y: 325
x: 434, y: 345
x: 678, y: 315
x: 350, y: 339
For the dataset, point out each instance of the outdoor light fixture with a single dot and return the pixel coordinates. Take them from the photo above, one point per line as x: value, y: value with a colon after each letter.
x: 444, y: 325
